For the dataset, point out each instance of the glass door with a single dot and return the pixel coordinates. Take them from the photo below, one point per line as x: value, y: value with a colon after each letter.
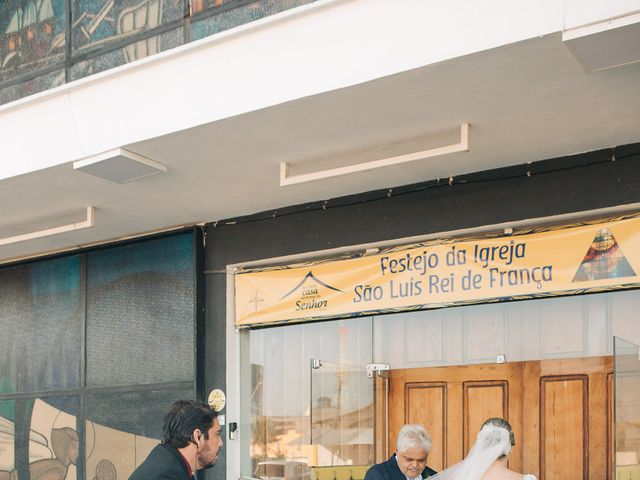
x: 627, y: 409
x: 348, y: 412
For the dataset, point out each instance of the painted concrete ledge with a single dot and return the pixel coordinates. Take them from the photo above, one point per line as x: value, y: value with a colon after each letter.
x: 316, y: 48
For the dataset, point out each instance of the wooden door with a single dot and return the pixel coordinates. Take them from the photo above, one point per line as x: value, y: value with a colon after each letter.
x: 568, y: 426
x: 452, y: 403
x: 560, y: 410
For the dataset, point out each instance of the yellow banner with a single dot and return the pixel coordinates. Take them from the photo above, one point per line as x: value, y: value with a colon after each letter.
x: 592, y: 257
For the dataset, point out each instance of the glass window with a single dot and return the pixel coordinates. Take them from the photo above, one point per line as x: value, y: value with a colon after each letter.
x: 450, y: 369
x: 136, y: 303
x: 41, y: 435
x: 129, y: 53
x: 32, y: 36
x: 627, y: 409
x: 141, y: 313
x: 105, y: 34
x: 97, y: 23
x: 41, y: 317
x: 53, y: 437
x: 281, y: 387
x: 561, y: 327
x: 7, y: 437
x: 122, y: 428
x: 233, y: 17
x: 29, y: 87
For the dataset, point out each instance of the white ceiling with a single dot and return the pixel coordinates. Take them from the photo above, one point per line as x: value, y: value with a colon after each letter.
x: 525, y: 102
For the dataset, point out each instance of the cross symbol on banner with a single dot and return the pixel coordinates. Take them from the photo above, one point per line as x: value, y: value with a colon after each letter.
x: 256, y: 300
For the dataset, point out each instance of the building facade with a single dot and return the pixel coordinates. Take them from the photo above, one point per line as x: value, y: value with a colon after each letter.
x: 159, y: 155
x: 445, y: 361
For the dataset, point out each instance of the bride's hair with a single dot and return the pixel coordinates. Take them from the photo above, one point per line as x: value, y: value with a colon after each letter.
x: 494, y: 441
x: 502, y: 423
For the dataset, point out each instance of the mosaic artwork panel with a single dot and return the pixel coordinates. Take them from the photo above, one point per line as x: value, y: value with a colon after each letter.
x: 130, y: 53
x: 122, y: 428
x: 96, y: 23
x: 228, y: 19
x: 7, y: 438
x: 29, y: 87
x: 40, y: 315
x: 141, y: 312
x: 41, y: 436
x: 32, y: 36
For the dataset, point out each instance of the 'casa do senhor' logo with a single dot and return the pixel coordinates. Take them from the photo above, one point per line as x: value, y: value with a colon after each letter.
x: 309, y: 289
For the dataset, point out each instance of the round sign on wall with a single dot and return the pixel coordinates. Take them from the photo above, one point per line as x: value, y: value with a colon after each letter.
x: 217, y: 399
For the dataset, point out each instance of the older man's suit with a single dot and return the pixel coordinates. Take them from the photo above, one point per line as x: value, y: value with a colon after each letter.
x: 389, y: 470
x: 163, y: 463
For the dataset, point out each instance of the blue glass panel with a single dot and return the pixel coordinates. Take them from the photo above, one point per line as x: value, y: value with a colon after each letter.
x: 135, y: 51
x: 40, y: 320
x: 31, y: 36
x: 227, y: 19
x: 98, y: 22
x: 141, y: 312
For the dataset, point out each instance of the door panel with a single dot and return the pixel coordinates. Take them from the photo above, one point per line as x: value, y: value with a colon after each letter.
x: 564, y: 427
x: 341, y: 414
x: 561, y: 412
x: 482, y: 400
x: 452, y: 403
x: 594, y: 372
x: 426, y: 403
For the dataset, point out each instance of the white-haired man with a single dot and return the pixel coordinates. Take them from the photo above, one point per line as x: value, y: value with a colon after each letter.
x: 410, y: 460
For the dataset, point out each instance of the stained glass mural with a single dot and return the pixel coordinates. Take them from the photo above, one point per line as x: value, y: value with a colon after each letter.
x: 54, y: 421
x: 122, y: 428
x: 52, y: 427
x: 32, y: 34
x: 43, y: 298
x: 29, y: 87
x: 126, y: 54
x: 198, y: 6
x: 227, y: 19
x: 99, y: 22
x: 7, y: 434
x: 47, y: 446
x: 105, y: 34
x: 139, y: 307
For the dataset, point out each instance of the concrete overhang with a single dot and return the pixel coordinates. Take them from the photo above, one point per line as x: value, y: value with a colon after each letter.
x: 228, y: 111
x: 609, y: 44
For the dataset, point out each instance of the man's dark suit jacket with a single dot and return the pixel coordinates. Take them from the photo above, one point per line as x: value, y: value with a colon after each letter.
x: 389, y: 470
x: 164, y: 463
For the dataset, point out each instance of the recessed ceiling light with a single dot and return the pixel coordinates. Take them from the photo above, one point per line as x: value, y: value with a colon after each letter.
x: 119, y: 166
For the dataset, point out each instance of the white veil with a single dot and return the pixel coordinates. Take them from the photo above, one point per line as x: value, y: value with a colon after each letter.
x: 492, y: 443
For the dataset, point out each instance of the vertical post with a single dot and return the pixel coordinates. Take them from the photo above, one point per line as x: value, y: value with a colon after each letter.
x: 68, y: 22
x: 82, y: 408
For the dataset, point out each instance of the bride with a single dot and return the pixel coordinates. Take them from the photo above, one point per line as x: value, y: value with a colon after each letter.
x: 487, y: 459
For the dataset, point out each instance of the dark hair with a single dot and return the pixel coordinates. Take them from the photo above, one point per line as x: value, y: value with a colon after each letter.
x: 183, y: 418
x: 502, y: 423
